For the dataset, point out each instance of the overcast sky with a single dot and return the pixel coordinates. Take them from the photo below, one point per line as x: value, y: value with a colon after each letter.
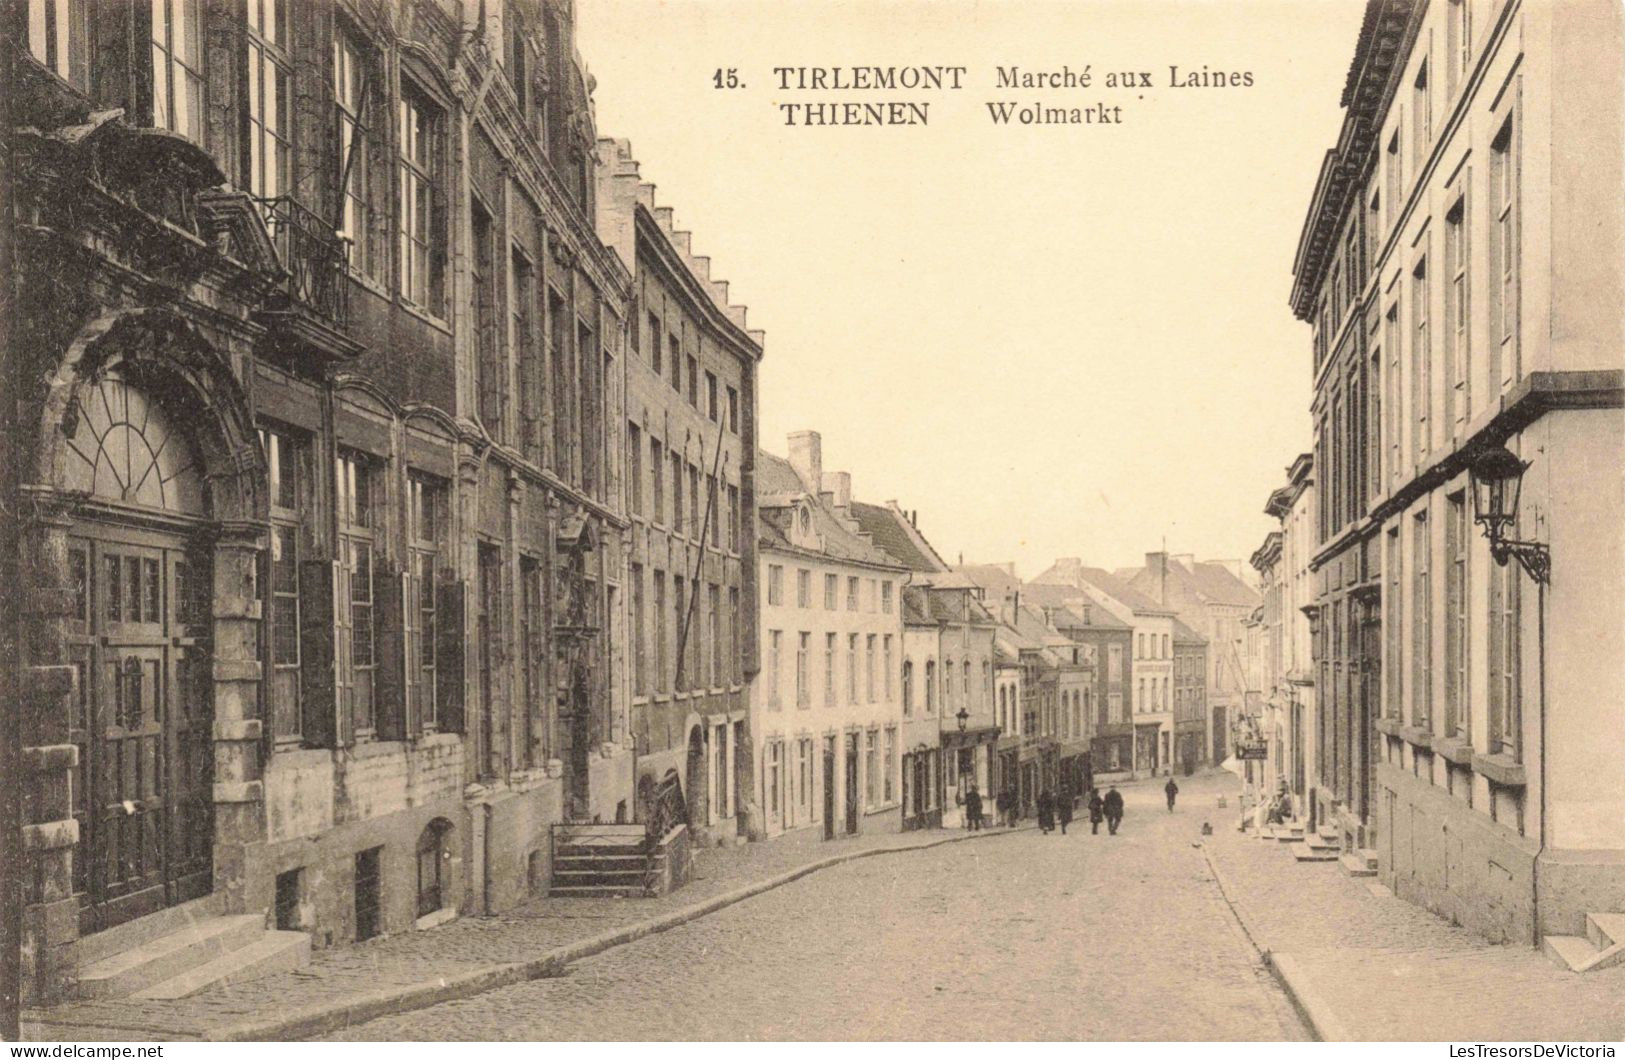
x: 1051, y: 341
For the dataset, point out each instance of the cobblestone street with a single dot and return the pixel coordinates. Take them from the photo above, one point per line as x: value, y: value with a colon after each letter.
x: 1023, y: 936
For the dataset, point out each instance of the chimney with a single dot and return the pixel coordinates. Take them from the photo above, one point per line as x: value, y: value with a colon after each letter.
x: 807, y: 457
x: 1157, y: 562
x: 1186, y: 560
x: 840, y: 488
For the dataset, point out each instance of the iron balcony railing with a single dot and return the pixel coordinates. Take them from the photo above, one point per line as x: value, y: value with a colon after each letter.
x: 316, y: 257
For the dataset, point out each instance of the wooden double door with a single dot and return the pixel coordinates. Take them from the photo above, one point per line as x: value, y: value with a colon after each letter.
x: 142, y: 722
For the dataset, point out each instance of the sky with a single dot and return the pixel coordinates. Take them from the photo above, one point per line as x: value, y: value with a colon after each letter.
x: 1049, y: 340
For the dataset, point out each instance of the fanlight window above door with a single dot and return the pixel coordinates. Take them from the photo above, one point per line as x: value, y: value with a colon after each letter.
x: 123, y: 447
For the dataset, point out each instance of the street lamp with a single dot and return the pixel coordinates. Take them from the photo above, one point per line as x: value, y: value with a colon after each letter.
x: 963, y: 716
x: 1497, y: 483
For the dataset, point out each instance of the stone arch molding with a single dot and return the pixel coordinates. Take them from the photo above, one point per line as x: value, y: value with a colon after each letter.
x: 159, y: 351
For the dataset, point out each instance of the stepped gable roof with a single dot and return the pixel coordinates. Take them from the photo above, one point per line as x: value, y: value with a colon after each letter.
x: 887, y: 528
x: 779, y: 487
x: 1184, y: 634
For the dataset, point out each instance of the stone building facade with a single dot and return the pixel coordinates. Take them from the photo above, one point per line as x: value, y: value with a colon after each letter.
x: 323, y: 539
x: 690, y: 445
x: 827, y: 708
x: 1461, y: 266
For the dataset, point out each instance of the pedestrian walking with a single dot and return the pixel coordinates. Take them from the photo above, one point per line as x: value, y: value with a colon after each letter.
x: 1171, y: 789
x: 1001, y: 806
x: 973, y: 809
x: 1063, y: 808
x: 1112, y: 804
x: 1097, y: 811
x: 1046, y: 811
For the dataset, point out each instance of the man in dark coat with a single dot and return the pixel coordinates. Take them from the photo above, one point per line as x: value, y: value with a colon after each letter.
x: 1063, y: 808
x: 1097, y: 811
x: 1046, y: 811
x: 973, y: 809
x: 1171, y: 789
x: 1113, y: 805
x: 1004, y: 803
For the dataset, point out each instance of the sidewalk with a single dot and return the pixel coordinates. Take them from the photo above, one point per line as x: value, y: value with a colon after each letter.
x: 415, y: 969
x: 1363, y: 965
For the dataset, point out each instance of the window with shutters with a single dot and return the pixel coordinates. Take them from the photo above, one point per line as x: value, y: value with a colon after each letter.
x: 426, y: 518
x: 285, y: 456
x: 177, y: 67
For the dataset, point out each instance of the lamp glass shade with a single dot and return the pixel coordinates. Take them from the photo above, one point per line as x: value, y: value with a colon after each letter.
x: 1497, y: 483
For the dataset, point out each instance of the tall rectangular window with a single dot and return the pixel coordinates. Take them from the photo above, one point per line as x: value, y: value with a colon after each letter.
x: 733, y: 410
x: 831, y: 589
x: 886, y: 668
x: 425, y: 518
x: 1457, y: 390
x: 734, y: 543
x: 712, y: 411
x: 285, y: 456
x: 869, y: 667
x: 657, y: 464
x: 693, y: 501
x: 713, y: 517
x: 803, y: 691
x: 1392, y: 627
x: 662, y: 637
x: 851, y: 668
x: 775, y: 585
x: 492, y: 382
x: 58, y: 37
x: 353, y: 98
x: 1505, y: 695
x: 1395, y: 424
x: 735, y: 655
x: 1421, y: 625
x: 1422, y: 117
x: 421, y: 228
x: 803, y: 588
x: 1458, y: 705
x: 270, y: 68
x: 1394, y: 192
x: 177, y: 67
x: 1421, y: 365
x: 525, y: 342
x: 775, y: 664
x: 634, y: 477
x: 714, y: 621
x: 655, y: 345
x: 871, y: 769
x: 851, y: 594
x: 683, y: 677
x: 1504, y: 256
x: 1458, y: 41
x: 676, y: 492
x: 885, y: 597
x: 890, y: 768
x: 353, y: 480
x: 640, y: 634
x: 829, y: 669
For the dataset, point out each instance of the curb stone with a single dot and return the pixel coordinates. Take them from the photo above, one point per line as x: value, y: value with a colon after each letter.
x: 1322, y: 1021
x: 319, y: 1018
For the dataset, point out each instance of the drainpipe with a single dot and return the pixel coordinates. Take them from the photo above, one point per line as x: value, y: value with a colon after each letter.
x: 1540, y: 588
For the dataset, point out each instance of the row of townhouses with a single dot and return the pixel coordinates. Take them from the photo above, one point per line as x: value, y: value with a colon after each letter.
x: 396, y: 542
x: 1443, y: 616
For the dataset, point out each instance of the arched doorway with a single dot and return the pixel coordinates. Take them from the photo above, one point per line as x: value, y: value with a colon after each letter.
x: 139, y: 636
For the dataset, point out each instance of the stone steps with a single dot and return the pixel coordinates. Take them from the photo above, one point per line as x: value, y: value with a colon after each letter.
x: 1311, y: 853
x: 275, y: 951
x: 1359, y: 863
x: 191, y: 958
x: 1602, y: 946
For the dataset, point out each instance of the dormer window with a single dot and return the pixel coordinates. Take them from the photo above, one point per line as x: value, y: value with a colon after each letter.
x: 804, y: 520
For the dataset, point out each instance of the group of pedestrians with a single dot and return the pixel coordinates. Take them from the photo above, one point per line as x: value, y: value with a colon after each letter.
x: 1053, y: 809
